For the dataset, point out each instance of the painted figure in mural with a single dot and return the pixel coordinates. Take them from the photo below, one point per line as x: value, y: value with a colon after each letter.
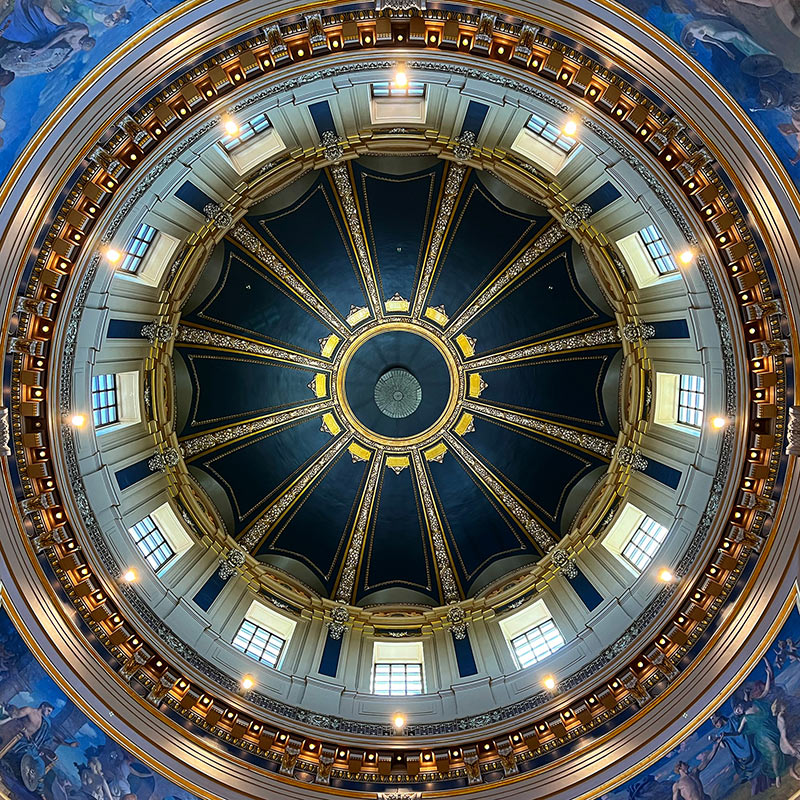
x: 746, y: 759
x: 688, y: 785
x: 757, y: 61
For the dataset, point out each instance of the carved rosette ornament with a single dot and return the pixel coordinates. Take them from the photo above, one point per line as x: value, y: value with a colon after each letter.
x: 573, y: 218
x: 793, y: 432
x: 231, y: 564
x: 465, y: 142
x: 5, y: 434
x: 633, y: 332
x: 157, y: 332
x: 333, y: 148
x: 564, y: 563
x: 214, y: 213
x: 340, y: 616
x: 631, y: 458
x: 457, y: 618
x: 164, y: 460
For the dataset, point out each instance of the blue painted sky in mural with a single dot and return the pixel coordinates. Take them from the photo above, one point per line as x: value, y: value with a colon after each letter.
x: 749, y: 749
x: 69, y: 756
x: 751, y: 46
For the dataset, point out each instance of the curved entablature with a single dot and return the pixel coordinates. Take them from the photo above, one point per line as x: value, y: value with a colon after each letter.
x: 614, y: 661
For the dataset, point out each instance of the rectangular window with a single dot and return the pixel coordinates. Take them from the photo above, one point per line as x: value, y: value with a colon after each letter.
x: 104, y: 400
x: 387, y: 89
x: 537, y: 643
x: 657, y: 250
x: 396, y: 679
x: 259, y: 643
x: 644, y: 543
x: 136, y: 248
x: 691, y: 401
x: 151, y: 543
x: 550, y: 133
x: 247, y: 130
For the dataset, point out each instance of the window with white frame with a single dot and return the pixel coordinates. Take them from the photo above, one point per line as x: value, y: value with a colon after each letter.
x: 115, y: 400
x: 259, y: 643
x: 247, y: 130
x: 161, y: 537
x: 551, y: 133
x: 538, y: 643
x: 152, y: 543
x: 263, y: 634
x: 389, y: 89
x: 104, y: 400
x: 644, y: 543
x: 532, y: 634
x: 137, y: 247
x: 691, y: 400
x: 657, y: 249
x: 397, y: 669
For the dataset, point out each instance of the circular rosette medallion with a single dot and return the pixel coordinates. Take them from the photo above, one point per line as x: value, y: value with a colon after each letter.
x: 398, y: 393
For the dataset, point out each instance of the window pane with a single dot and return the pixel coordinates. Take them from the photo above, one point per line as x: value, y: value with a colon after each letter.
x: 137, y: 247
x: 551, y: 133
x: 104, y: 400
x: 387, y: 89
x: 259, y: 643
x: 247, y: 130
x: 397, y: 679
x: 691, y: 400
x: 537, y: 643
x: 151, y: 543
x: 657, y: 250
x: 644, y: 543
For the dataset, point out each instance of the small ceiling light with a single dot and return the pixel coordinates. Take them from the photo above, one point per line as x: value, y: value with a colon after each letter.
x: 718, y: 422
x: 686, y: 257
x: 666, y: 576
x: 549, y: 683
x: 248, y: 682
x: 399, y: 721
x: 301, y: 52
x: 571, y: 128
x: 231, y: 127
x: 113, y: 255
x: 78, y: 420
x: 400, y: 79
x: 130, y: 576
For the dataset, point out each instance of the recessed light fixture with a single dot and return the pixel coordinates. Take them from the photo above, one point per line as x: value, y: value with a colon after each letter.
x: 686, y: 257
x: 718, y: 422
x: 400, y: 79
x: 666, y: 576
x: 130, y: 575
x: 571, y: 128
x: 549, y: 683
x: 248, y: 682
x: 231, y: 127
x: 399, y: 721
x: 113, y: 255
x: 78, y: 420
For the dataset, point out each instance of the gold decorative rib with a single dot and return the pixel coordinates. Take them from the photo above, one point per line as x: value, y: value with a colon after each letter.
x: 452, y: 187
x: 216, y: 340
x: 351, y: 564
x: 258, y: 530
x: 441, y: 553
x: 552, y: 235
x: 576, y: 437
x: 251, y: 242
x: 518, y: 511
x: 604, y: 336
x: 342, y: 181
x: 212, y: 440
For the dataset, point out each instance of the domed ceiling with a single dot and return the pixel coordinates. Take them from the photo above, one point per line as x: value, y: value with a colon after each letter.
x: 423, y: 426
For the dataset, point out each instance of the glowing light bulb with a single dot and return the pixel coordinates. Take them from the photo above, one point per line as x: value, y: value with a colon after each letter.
x: 718, y: 422
x: 399, y: 721
x: 571, y: 128
x: 78, y: 420
x: 130, y: 576
x: 113, y: 255
x: 666, y: 576
x: 401, y: 79
x: 549, y: 683
x: 686, y: 257
x: 247, y: 682
x: 231, y: 127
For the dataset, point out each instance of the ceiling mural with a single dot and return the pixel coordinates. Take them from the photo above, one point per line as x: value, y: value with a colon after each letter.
x: 749, y: 746
x: 447, y: 402
x: 50, y: 749
x: 751, y: 47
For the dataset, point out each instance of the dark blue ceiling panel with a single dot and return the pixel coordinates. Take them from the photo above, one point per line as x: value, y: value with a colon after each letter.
x: 397, y: 551
x: 227, y: 388
x: 398, y: 241
x: 545, y: 302
x: 254, y: 471
x: 317, y: 528
x: 478, y: 530
x: 248, y: 302
x: 484, y: 235
x: 295, y: 234
x: 567, y: 388
x: 542, y: 471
